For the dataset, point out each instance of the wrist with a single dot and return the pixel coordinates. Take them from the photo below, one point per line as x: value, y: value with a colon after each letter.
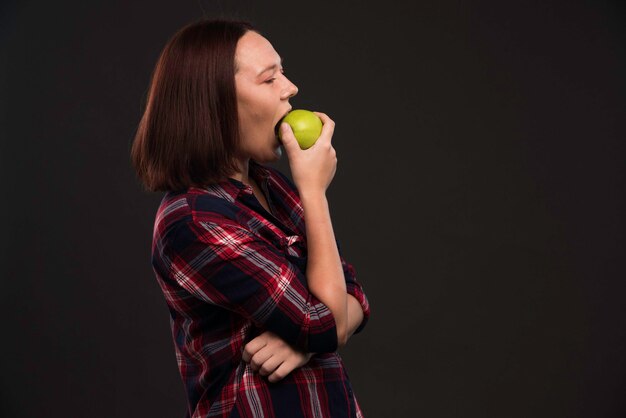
x: 312, y: 195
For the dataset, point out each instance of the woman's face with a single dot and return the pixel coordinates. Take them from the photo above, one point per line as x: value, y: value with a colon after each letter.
x: 263, y: 94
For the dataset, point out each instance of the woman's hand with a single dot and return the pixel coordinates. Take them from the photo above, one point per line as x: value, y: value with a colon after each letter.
x: 312, y: 169
x: 271, y: 356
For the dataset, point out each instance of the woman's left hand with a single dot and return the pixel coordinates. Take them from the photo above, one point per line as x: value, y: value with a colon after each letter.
x: 271, y: 356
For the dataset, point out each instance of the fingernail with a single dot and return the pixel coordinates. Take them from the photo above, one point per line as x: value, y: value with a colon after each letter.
x: 283, y: 126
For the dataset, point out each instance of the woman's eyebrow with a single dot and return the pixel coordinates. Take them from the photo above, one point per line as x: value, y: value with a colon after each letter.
x: 271, y: 67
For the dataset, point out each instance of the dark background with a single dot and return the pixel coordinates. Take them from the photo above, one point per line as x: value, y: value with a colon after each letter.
x: 479, y: 195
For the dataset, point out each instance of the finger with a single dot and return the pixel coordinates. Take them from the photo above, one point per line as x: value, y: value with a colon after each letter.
x: 288, y: 138
x: 328, y: 126
x: 260, y: 358
x: 282, y: 370
x: 271, y: 364
x: 252, y: 347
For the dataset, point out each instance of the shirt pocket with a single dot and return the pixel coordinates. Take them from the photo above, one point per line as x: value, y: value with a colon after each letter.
x: 292, y: 245
x: 295, y: 251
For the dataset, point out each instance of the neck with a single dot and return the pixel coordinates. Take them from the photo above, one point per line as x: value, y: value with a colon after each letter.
x: 242, y: 174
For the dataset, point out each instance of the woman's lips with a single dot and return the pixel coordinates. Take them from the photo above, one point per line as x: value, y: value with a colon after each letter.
x: 277, y: 126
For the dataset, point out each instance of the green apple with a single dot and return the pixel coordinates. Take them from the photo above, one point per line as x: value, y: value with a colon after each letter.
x: 306, y: 126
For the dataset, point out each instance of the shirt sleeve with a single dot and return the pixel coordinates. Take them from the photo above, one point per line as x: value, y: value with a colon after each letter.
x: 228, y: 266
x: 355, y: 288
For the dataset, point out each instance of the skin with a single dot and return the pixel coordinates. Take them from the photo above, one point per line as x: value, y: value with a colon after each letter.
x: 262, y: 101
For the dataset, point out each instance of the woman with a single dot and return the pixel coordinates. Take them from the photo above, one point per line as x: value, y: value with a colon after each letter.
x: 259, y: 295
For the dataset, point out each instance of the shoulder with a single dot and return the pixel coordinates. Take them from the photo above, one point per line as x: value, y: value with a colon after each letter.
x: 173, y: 209
x: 194, y: 206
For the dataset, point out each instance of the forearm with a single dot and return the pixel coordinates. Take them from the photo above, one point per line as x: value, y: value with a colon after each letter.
x: 324, y: 273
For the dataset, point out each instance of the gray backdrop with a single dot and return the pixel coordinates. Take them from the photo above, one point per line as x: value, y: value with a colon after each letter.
x: 479, y: 195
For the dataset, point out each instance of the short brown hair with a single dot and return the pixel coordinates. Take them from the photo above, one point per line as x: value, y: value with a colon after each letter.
x: 189, y: 132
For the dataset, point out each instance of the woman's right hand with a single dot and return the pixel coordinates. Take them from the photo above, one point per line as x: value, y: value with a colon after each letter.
x: 273, y: 357
x: 312, y: 169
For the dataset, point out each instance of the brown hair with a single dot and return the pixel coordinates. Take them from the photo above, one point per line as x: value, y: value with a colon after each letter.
x: 189, y: 132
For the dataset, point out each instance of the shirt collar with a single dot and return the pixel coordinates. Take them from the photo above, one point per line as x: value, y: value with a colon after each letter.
x: 233, y: 188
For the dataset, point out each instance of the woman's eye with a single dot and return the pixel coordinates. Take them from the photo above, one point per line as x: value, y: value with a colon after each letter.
x: 271, y: 80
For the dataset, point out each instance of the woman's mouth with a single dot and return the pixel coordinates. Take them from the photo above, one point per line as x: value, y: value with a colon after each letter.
x: 277, y: 126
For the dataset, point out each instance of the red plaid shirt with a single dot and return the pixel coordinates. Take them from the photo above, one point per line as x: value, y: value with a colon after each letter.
x: 229, y: 271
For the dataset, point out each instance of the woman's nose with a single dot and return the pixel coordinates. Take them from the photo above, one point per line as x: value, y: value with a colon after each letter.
x: 292, y: 90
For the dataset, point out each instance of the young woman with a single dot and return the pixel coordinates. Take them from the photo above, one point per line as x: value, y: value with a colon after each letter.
x: 259, y: 295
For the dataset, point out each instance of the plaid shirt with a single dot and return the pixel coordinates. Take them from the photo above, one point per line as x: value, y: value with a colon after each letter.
x: 229, y: 271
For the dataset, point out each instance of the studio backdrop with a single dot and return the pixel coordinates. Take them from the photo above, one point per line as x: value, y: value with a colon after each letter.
x: 479, y: 195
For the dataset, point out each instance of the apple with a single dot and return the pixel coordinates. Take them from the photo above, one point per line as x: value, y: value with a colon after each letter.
x: 306, y: 127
